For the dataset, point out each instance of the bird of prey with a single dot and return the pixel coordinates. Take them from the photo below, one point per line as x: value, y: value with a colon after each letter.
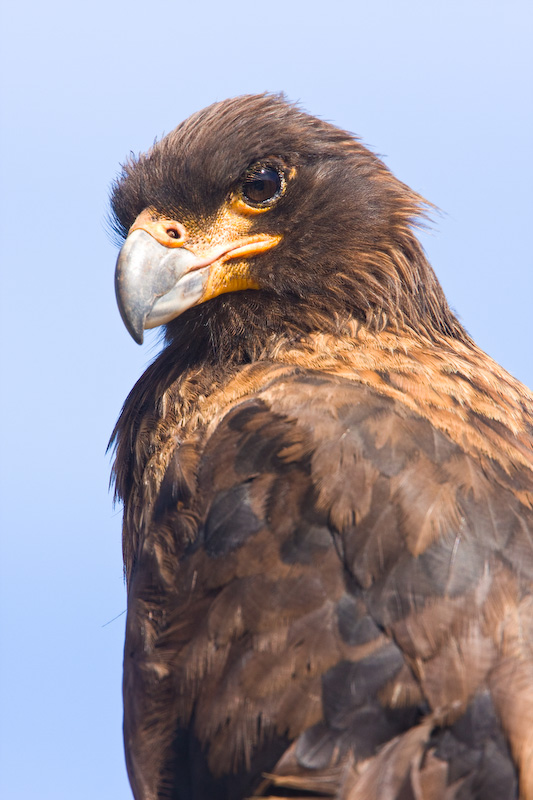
x: 327, y: 486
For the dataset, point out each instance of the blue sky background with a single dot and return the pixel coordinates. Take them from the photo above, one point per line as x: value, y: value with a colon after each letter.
x: 443, y: 90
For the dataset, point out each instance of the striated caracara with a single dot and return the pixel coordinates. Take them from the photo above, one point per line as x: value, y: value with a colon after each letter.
x: 327, y: 486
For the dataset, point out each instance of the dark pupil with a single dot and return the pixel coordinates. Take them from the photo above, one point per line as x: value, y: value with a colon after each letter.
x: 262, y: 185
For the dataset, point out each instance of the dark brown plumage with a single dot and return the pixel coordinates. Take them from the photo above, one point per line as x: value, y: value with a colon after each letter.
x: 327, y: 486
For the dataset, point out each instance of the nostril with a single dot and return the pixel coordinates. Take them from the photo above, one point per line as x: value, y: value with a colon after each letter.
x: 173, y: 230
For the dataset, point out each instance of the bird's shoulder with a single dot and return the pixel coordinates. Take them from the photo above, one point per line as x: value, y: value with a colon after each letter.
x: 320, y: 385
x: 329, y: 524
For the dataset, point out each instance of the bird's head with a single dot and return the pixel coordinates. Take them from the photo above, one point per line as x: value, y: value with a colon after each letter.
x: 254, y: 214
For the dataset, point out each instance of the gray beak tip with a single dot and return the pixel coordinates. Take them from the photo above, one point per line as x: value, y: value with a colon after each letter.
x: 138, y: 338
x: 131, y: 313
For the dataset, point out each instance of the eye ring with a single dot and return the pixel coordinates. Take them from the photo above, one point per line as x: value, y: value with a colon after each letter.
x: 262, y: 185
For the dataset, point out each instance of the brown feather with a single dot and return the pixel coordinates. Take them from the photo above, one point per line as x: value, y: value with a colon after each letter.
x: 328, y: 501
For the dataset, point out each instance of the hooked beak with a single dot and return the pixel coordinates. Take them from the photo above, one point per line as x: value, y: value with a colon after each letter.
x: 154, y: 283
x: 157, y: 278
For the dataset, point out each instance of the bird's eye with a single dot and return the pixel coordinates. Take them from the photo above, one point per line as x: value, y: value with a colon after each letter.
x: 262, y: 185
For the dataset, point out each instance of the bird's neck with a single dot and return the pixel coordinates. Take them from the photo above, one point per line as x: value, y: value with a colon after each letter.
x: 451, y: 384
